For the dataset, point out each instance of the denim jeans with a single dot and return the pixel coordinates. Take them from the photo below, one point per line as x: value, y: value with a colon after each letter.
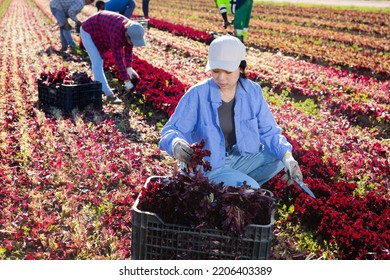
x: 255, y: 169
x: 96, y: 61
x: 145, y: 7
x: 128, y: 12
x: 65, y: 35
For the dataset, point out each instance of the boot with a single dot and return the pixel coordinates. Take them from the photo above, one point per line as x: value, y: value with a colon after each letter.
x: 241, y: 37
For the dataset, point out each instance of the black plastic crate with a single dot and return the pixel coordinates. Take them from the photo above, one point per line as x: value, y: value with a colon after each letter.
x: 68, y: 97
x: 152, y: 239
x: 144, y: 22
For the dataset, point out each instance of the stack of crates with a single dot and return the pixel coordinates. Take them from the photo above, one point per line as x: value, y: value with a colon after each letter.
x: 68, y: 97
x: 144, y: 22
x: 152, y: 239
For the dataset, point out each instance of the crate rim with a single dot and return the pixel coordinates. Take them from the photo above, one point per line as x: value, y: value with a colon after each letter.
x: 135, y: 208
x: 69, y: 85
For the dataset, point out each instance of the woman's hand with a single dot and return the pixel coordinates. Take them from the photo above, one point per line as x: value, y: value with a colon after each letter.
x: 292, y: 169
x: 182, y: 151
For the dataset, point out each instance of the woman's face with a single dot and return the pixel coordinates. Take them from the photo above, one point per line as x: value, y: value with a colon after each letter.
x: 224, y: 79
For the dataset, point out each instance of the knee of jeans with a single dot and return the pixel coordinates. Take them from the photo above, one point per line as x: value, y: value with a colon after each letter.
x: 253, y: 184
x: 249, y: 182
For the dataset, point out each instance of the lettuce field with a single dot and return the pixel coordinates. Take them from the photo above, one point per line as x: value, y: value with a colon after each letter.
x: 68, y: 180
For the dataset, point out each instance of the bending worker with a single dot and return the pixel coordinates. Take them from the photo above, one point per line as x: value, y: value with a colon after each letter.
x: 124, y: 7
x: 62, y: 10
x: 241, y: 10
x: 106, y: 31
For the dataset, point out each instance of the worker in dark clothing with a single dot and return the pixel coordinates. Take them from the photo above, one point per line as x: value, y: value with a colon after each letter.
x: 241, y: 10
x: 124, y: 7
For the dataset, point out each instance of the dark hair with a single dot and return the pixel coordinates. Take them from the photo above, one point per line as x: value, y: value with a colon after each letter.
x: 100, y: 5
x: 242, y: 66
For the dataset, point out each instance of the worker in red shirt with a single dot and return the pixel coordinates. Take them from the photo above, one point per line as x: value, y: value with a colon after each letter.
x: 106, y: 31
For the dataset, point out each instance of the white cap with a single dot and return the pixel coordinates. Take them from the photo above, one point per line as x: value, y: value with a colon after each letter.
x: 226, y: 53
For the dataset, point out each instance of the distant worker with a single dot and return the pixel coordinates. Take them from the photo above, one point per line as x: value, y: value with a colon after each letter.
x: 145, y: 8
x: 241, y: 10
x: 124, y: 7
x: 62, y: 10
x: 100, y: 5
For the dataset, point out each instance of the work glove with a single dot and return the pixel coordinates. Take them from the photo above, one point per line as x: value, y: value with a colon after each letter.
x: 134, y: 78
x: 182, y: 151
x: 132, y: 73
x: 128, y: 85
x: 78, y: 25
x: 292, y: 169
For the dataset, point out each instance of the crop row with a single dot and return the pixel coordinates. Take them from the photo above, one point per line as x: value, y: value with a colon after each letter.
x: 278, y: 12
x: 328, y: 170
x: 66, y: 183
x: 338, y: 48
x: 317, y: 132
x: 172, y: 58
x: 281, y: 28
x: 52, y: 210
x: 325, y: 179
x: 362, y: 99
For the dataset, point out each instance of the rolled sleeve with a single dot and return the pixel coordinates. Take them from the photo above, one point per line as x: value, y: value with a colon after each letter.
x: 122, y: 55
x: 121, y: 68
x: 128, y: 51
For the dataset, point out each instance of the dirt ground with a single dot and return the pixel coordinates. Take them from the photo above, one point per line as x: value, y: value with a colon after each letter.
x: 353, y: 3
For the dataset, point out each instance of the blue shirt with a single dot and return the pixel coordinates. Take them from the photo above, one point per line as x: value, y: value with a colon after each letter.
x: 116, y: 5
x: 196, y: 118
